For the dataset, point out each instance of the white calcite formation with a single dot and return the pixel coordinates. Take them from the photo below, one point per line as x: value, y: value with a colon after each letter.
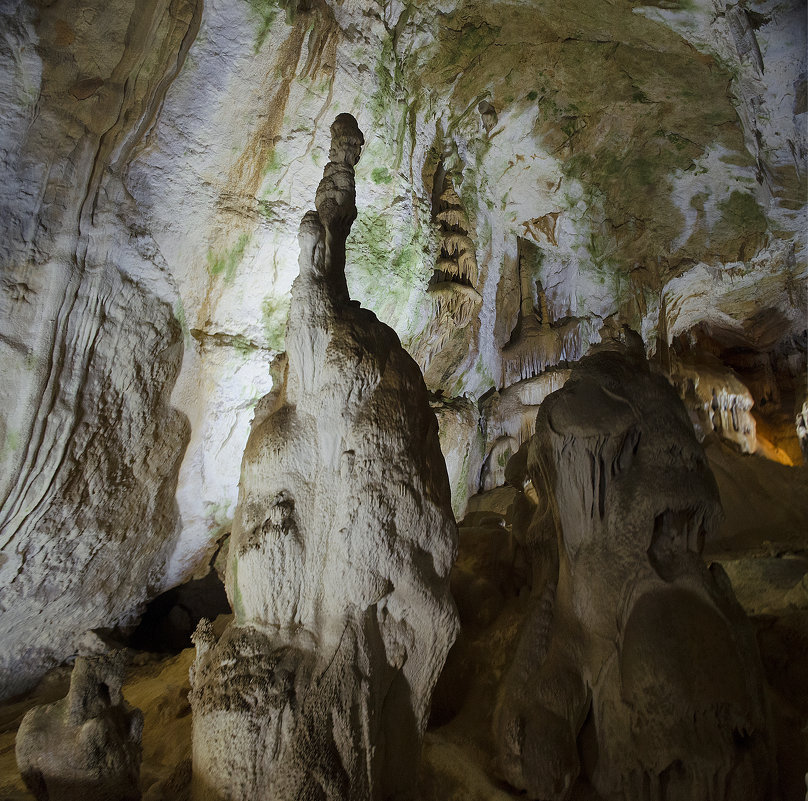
x: 155, y: 162
x: 86, y: 747
x: 801, y: 423
x: 537, y: 341
x: 340, y: 553
x: 90, y: 446
x: 717, y: 401
x: 635, y: 666
x: 508, y: 419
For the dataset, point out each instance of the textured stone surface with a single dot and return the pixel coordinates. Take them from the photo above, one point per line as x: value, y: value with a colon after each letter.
x: 623, y: 606
x: 89, y: 345
x: 462, y: 445
x: 340, y: 553
x: 88, y: 745
x: 647, y: 161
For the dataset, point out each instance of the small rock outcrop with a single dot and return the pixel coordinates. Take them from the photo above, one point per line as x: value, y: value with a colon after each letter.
x: 341, y: 548
x: 636, y: 666
x: 86, y: 747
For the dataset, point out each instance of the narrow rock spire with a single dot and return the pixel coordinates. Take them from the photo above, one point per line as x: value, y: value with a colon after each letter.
x: 342, y: 543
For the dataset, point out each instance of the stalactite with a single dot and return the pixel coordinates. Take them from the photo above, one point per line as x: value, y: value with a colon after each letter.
x: 455, y: 300
x: 454, y: 217
x: 538, y: 341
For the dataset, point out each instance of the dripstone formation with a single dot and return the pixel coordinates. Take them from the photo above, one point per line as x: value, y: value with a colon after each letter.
x: 342, y: 543
x: 86, y: 747
x: 636, y: 666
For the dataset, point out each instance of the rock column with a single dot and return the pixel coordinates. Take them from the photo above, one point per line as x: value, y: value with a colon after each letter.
x: 636, y: 665
x: 342, y: 543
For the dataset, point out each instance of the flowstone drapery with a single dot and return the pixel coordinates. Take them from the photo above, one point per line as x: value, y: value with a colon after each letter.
x: 636, y: 664
x: 341, y: 548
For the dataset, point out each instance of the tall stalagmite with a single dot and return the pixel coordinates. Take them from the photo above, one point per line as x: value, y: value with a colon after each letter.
x: 636, y: 665
x: 342, y: 544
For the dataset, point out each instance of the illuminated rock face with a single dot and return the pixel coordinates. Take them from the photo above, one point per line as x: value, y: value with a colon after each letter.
x: 340, y: 553
x: 632, y: 644
x: 90, y: 445
x: 156, y: 160
x: 717, y: 401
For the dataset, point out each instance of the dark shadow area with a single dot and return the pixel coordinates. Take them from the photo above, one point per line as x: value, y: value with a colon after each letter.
x: 170, y: 619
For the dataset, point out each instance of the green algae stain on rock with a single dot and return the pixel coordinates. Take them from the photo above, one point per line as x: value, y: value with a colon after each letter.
x: 273, y: 163
x: 387, y: 104
x: 744, y: 212
x: 243, y: 346
x: 11, y: 443
x: 739, y: 232
x: 264, y: 13
x: 274, y: 311
x: 179, y: 314
x: 384, y: 268
x: 458, y: 46
x: 620, y: 101
x: 225, y: 263
x: 381, y: 175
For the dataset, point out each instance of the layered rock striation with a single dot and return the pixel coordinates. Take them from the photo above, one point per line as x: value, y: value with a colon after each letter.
x: 341, y: 548
x: 90, y: 445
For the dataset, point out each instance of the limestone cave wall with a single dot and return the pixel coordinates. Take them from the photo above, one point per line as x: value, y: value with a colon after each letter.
x: 537, y: 178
